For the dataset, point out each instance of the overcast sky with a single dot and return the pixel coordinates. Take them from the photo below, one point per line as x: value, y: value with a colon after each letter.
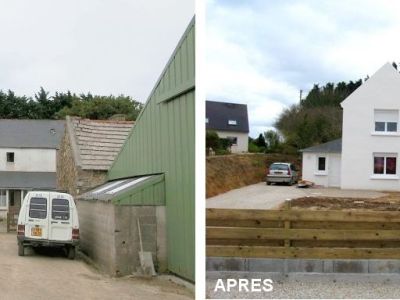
x: 102, y: 46
x: 262, y: 53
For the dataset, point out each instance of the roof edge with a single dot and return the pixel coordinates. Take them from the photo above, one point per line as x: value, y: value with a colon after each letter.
x: 72, y: 139
x: 314, y: 149
x: 181, y: 40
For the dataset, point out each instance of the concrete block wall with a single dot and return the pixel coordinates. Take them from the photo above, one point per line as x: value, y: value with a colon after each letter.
x: 97, y: 233
x: 110, y: 236
x: 285, y: 266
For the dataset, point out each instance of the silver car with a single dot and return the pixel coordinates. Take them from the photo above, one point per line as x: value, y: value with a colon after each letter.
x: 280, y: 172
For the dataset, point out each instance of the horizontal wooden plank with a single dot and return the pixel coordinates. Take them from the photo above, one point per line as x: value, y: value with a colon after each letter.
x: 300, y: 234
x: 244, y: 242
x: 340, y: 225
x: 216, y: 214
x: 297, y: 252
x: 338, y: 244
x: 245, y: 223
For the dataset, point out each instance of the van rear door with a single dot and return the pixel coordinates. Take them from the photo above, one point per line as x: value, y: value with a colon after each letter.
x: 37, y: 216
x: 60, y: 228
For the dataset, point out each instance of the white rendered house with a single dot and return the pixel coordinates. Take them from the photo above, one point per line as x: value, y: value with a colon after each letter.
x: 367, y: 155
x: 230, y: 121
x: 28, y: 156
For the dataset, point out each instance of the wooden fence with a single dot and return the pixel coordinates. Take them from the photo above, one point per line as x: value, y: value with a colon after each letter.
x: 292, y: 233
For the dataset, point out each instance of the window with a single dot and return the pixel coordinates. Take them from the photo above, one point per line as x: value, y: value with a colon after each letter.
x: 385, y: 164
x: 3, y: 198
x: 60, y: 209
x: 386, y: 120
x: 206, y: 120
x: 321, y: 163
x: 10, y: 156
x: 38, y: 208
x: 232, y: 139
x: 232, y: 122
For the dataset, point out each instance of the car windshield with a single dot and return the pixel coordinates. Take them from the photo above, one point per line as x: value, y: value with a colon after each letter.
x: 280, y: 167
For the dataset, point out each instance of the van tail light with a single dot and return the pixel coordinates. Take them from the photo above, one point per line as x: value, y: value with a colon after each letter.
x: 75, y: 234
x: 289, y: 172
x: 21, y: 230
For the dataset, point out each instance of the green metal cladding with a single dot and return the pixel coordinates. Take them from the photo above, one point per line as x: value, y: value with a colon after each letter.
x: 163, y: 141
x: 151, y: 192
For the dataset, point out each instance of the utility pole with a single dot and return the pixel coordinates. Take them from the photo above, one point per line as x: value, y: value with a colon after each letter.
x: 301, y: 94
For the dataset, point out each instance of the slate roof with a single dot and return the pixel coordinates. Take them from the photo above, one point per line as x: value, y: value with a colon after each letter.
x: 219, y: 113
x: 28, y: 180
x: 16, y: 133
x: 334, y: 146
x: 96, y: 143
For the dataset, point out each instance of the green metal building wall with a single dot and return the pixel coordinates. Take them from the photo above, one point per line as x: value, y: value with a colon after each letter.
x: 163, y: 141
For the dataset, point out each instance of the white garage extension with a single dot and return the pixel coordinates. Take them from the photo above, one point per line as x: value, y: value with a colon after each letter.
x: 322, y: 163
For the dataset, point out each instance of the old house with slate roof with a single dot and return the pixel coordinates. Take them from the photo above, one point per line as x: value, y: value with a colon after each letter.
x: 230, y: 121
x: 87, y: 151
x: 28, y: 158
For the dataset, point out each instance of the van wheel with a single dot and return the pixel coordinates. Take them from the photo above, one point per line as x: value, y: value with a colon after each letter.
x: 71, y: 252
x: 21, y: 249
x: 268, y: 183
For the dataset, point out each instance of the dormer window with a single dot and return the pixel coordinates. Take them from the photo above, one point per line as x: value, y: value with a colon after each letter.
x: 386, y: 120
x: 232, y: 122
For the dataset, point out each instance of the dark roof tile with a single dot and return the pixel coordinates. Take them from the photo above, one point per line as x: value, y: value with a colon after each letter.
x: 220, y: 113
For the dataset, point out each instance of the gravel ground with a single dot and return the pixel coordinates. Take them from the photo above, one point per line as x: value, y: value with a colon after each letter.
x: 264, y: 196
x: 48, y: 274
x: 325, y: 286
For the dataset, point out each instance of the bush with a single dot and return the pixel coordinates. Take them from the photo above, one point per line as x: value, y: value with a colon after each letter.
x: 253, y: 148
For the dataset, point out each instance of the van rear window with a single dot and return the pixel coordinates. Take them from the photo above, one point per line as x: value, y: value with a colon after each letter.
x: 60, y: 209
x: 38, y: 208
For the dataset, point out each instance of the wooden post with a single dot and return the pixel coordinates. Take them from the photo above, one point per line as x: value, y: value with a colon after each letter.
x: 286, y: 206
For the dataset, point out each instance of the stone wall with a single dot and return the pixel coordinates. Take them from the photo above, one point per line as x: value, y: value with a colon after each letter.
x: 88, y: 179
x: 109, y: 235
x: 71, y: 177
x: 66, y: 169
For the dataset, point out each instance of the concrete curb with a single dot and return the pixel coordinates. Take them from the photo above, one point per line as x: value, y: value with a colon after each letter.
x: 286, y: 266
x: 307, y: 277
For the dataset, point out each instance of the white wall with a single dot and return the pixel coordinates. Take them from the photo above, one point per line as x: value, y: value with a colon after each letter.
x: 331, y: 177
x: 242, y: 140
x: 29, y: 160
x: 381, y: 91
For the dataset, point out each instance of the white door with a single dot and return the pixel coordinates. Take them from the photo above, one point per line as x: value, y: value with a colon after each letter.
x: 60, y: 217
x: 334, y: 165
x: 37, y: 216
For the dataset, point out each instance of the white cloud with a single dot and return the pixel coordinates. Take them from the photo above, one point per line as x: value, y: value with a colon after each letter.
x: 262, y: 53
x: 107, y: 46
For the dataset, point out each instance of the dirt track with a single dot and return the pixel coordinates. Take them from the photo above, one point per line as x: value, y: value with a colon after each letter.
x: 389, y: 202
x: 47, y: 274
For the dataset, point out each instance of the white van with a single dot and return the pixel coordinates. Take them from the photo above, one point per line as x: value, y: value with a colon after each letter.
x: 48, y: 218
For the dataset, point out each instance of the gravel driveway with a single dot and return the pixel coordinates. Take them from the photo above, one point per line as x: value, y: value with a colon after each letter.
x: 264, y: 196
x: 311, y: 286
x: 49, y: 275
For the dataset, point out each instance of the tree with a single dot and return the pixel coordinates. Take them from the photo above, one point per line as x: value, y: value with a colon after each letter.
x: 260, y: 141
x: 315, y: 119
x: 272, y: 141
x: 212, y: 140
